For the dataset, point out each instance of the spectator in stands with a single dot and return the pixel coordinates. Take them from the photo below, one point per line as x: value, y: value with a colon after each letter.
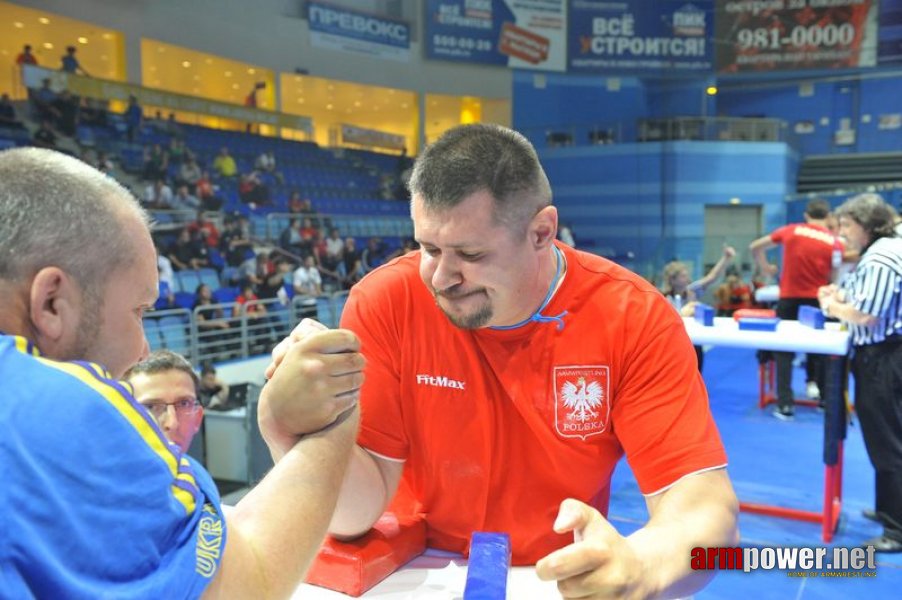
x: 178, y: 152
x: 8, y: 114
x: 250, y: 101
x: 133, y: 117
x: 92, y: 113
x: 290, y: 238
x: 307, y: 207
x: 26, y: 57
x: 233, y: 244
x: 190, y: 173
x: 352, y: 263
x: 733, y: 294
x: 254, y: 270
x: 224, y: 165
x: 43, y: 102
x: 206, y: 191
x: 156, y: 162
x: 810, y: 255
x: 158, y: 195
x: 266, y: 163
x: 374, y: 254
x: 183, y: 200
x: 187, y: 252
x: 204, y: 229
x: 215, y: 335
x: 166, y: 385
x: 43, y: 136
x: 683, y: 293
x: 334, y: 247
x: 66, y: 113
x: 295, y: 203
x: 259, y: 332
x: 212, y: 391
x: 173, y: 127
x: 252, y: 191
x: 307, y: 280
x: 70, y: 64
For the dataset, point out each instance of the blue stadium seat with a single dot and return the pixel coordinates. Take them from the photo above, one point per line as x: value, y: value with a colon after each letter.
x: 209, y: 277
x: 153, y: 334
x: 225, y: 294
x: 188, y: 280
x: 184, y: 300
x: 175, y: 334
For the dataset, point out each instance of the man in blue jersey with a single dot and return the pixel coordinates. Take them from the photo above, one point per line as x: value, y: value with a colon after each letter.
x: 95, y: 502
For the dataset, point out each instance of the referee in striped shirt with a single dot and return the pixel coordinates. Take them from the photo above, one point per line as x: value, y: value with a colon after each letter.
x: 870, y: 302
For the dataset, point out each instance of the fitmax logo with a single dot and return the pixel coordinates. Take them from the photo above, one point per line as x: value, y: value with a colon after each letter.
x: 440, y: 381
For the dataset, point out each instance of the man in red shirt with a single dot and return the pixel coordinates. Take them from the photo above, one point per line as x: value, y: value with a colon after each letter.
x: 506, y: 376
x: 810, y: 253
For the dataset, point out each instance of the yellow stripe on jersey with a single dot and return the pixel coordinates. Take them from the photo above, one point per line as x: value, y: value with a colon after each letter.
x: 22, y: 346
x: 144, y: 429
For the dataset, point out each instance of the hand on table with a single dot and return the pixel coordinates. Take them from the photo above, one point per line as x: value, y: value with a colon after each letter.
x: 600, y: 563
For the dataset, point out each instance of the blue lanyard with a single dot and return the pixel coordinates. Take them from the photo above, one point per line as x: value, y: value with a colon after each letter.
x: 537, y: 316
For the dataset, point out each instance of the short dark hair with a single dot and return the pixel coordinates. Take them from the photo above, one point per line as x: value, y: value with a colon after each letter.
x: 872, y: 212
x: 482, y: 157
x: 817, y: 208
x: 161, y: 361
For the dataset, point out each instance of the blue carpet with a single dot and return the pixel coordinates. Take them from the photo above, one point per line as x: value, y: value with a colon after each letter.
x: 778, y: 463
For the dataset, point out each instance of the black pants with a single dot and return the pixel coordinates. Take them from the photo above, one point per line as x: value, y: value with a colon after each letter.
x: 788, y: 308
x: 878, y: 403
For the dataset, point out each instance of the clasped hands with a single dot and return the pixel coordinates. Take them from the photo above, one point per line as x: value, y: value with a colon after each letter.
x: 314, y: 379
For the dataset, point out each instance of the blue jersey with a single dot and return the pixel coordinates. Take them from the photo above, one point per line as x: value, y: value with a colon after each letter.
x: 94, y: 502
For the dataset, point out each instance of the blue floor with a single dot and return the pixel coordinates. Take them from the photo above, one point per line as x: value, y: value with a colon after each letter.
x: 778, y: 463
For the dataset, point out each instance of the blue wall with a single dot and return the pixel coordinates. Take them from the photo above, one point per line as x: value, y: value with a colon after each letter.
x: 649, y: 199
x: 861, y: 101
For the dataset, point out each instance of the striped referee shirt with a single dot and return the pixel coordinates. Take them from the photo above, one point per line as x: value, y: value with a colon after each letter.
x: 875, y: 288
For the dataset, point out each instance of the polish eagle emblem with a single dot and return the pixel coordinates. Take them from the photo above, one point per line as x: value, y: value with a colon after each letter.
x: 582, y: 399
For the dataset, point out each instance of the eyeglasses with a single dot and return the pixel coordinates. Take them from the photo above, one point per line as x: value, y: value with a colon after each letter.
x: 183, y: 407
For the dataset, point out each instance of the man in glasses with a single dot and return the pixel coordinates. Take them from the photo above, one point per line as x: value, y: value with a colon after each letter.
x: 166, y: 385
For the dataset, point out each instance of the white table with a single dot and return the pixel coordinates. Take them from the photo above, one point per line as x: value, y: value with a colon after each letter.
x: 791, y: 336
x: 438, y: 575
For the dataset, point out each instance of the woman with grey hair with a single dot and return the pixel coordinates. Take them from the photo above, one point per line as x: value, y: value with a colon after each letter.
x: 870, y: 303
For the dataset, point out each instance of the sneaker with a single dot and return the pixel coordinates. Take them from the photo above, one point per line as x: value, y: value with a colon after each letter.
x: 812, y: 391
x: 784, y: 413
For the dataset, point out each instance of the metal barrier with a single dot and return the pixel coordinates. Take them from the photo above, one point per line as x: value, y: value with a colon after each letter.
x: 347, y: 225
x: 238, y: 330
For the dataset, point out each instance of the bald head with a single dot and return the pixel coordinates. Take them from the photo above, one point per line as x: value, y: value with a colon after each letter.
x: 57, y: 211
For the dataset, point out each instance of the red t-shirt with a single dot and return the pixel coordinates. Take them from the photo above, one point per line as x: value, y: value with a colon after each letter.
x: 808, y: 258
x: 496, y: 428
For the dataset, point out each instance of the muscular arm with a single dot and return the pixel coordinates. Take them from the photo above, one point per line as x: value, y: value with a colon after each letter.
x: 759, y: 249
x: 369, y: 485
x: 654, y: 562
x: 275, y: 531
x: 698, y: 511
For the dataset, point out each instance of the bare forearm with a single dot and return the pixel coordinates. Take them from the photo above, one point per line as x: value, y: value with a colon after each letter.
x: 681, y: 523
x: 276, y: 530
x: 364, y: 497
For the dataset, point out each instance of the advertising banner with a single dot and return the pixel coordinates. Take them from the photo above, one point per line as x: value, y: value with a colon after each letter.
x: 636, y: 36
x: 768, y: 35
x: 526, y: 34
x: 336, y: 28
